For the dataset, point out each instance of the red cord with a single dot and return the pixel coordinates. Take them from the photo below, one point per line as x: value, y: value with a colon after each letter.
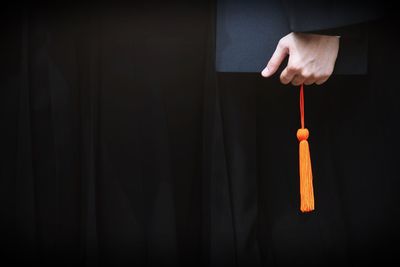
x: 302, y: 106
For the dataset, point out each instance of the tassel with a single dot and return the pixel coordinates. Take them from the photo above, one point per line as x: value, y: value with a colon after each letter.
x: 306, y: 177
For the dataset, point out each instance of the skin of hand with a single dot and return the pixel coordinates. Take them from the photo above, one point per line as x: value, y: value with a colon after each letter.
x: 312, y: 58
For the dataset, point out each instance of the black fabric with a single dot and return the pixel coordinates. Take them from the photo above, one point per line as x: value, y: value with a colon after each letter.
x: 353, y: 54
x: 353, y: 122
x: 314, y: 15
x: 120, y: 144
x: 102, y: 109
x: 248, y: 31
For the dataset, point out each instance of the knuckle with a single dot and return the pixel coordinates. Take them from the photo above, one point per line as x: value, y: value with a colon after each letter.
x: 325, y: 76
x: 308, y: 82
x: 307, y: 74
x: 327, y: 73
x: 284, y: 79
x: 296, y: 82
x: 293, y: 68
x: 321, y: 81
x: 282, y: 42
x: 322, y: 76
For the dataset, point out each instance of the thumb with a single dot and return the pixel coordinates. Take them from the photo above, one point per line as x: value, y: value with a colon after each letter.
x: 279, y: 55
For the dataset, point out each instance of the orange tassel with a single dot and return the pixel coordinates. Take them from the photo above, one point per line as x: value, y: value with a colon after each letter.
x: 306, y: 177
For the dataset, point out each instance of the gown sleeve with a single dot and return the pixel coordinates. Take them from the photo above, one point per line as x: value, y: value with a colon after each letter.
x: 347, y: 19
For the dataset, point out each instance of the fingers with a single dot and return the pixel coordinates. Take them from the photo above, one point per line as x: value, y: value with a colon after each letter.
x: 279, y: 55
x: 298, y: 79
x: 311, y: 58
x: 310, y: 80
x: 288, y: 74
x: 296, y: 74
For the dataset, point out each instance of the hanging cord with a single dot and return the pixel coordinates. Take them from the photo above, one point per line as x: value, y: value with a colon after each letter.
x: 305, y: 169
x: 302, y: 106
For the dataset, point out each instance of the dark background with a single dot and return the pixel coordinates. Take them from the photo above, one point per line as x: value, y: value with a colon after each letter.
x: 120, y: 144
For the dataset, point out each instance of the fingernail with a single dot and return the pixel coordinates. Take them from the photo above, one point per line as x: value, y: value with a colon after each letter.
x: 265, y: 72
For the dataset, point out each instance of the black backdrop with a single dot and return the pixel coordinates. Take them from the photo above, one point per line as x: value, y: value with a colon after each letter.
x: 120, y: 144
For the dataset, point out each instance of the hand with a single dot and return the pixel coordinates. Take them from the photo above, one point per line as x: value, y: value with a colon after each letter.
x: 311, y: 58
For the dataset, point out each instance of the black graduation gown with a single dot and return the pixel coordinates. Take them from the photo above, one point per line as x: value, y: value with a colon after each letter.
x: 352, y: 122
x: 120, y: 145
x: 102, y: 132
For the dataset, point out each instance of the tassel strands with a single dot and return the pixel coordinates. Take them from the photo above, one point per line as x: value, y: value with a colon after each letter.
x: 306, y: 177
